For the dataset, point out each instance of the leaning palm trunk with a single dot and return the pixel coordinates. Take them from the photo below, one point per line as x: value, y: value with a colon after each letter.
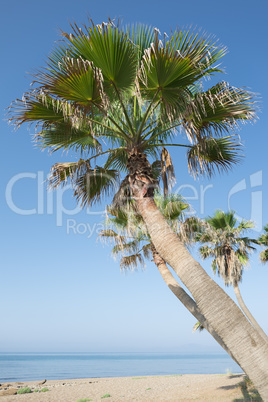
x: 243, y: 341
x: 185, y: 299
x: 248, y: 313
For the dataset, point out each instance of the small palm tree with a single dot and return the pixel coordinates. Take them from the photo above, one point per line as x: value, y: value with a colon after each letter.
x: 133, y: 242
x: 263, y: 239
x: 225, y: 242
x: 125, y: 227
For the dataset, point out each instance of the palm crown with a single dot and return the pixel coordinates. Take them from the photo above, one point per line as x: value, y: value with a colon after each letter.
x: 225, y: 242
x: 119, y: 95
x: 229, y: 248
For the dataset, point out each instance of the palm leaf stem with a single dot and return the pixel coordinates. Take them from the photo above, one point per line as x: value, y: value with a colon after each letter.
x: 151, y: 122
x: 105, y: 152
x: 146, y: 114
x: 123, y: 134
x: 107, y: 127
x: 157, y: 134
x: 135, y: 110
x: 169, y: 145
x: 124, y: 110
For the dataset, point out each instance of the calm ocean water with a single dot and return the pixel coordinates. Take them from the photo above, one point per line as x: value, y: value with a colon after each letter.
x: 39, y: 366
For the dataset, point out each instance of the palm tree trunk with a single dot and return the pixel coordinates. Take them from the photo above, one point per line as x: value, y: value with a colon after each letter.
x: 185, y: 299
x: 248, y: 313
x: 244, y: 342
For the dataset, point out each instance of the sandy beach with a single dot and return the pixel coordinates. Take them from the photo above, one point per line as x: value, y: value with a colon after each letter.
x: 198, y: 387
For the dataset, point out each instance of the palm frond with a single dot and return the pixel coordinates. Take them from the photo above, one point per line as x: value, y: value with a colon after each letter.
x: 264, y: 256
x: 216, y: 111
x: 89, y: 184
x: 263, y: 240
x: 170, y: 69
x: 141, y: 36
x: 110, y: 50
x: 75, y: 80
x: 131, y: 262
x: 64, y: 135
x: 213, y: 154
x: 117, y: 159
x: 40, y: 107
x: 126, y: 247
x: 147, y: 251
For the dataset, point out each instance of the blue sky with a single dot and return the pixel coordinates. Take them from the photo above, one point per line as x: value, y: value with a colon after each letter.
x: 61, y: 290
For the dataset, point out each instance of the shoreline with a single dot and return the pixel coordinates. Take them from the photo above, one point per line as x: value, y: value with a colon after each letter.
x: 182, y: 387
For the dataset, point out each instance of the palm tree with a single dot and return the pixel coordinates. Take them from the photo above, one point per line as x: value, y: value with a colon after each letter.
x: 118, y: 96
x: 126, y: 229
x: 263, y: 240
x: 225, y: 242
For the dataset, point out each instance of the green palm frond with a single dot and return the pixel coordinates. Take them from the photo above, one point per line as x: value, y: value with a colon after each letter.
x: 76, y: 80
x: 222, y: 220
x: 141, y: 36
x: 66, y: 136
x: 40, y: 107
x: 216, y: 111
x: 89, y: 184
x: 206, y: 252
x: 213, y: 154
x: 264, y: 256
x: 243, y: 256
x: 169, y: 69
x: 95, y: 185
x: 117, y: 159
x: 110, y: 51
x: 263, y: 240
x: 172, y: 206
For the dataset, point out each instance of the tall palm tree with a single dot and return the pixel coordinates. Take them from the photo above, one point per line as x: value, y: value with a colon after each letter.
x: 263, y: 240
x: 126, y: 229
x: 226, y: 243
x: 118, y: 96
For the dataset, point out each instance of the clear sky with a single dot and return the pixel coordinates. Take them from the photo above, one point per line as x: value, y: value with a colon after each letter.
x: 60, y: 289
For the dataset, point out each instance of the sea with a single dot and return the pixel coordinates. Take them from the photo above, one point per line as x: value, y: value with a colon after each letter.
x: 52, y: 366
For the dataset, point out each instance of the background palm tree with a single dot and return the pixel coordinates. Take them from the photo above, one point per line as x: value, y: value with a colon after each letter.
x: 263, y: 240
x: 117, y: 96
x: 225, y: 242
x: 126, y: 229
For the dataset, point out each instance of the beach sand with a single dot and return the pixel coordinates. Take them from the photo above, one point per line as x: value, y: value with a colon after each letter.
x: 194, y: 387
